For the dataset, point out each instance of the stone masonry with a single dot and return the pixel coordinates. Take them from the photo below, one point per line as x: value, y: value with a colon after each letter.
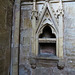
x: 21, y: 23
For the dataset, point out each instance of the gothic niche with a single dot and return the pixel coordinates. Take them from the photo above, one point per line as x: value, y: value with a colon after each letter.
x: 47, y: 42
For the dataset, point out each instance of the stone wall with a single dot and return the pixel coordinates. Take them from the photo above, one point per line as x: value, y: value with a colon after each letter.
x: 5, y: 35
x: 25, y: 40
x: 47, y: 67
x: 69, y: 35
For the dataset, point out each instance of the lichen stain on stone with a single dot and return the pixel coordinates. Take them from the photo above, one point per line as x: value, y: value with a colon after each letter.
x: 27, y: 23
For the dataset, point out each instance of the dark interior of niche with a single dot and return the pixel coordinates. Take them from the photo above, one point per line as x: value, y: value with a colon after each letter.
x: 47, y: 33
x: 47, y: 49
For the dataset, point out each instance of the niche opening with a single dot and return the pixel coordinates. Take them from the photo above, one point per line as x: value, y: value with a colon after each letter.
x: 47, y: 33
x: 47, y: 43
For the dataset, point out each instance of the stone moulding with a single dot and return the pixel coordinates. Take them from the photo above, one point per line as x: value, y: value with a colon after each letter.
x: 47, y: 7
x: 40, y: 30
x: 42, y: 2
x: 42, y: 23
x: 46, y: 61
x: 53, y: 40
x: 48, y: 18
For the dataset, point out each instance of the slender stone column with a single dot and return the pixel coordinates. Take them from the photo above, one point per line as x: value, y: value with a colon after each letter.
x: 15, y: 38
x: 61, y: 30
x: 61, y: 37
x: 33, y: 27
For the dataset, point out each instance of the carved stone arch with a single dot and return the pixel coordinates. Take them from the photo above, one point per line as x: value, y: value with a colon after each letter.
x: 40, y: 31
x: 51, y: 25
x: 48, y: 18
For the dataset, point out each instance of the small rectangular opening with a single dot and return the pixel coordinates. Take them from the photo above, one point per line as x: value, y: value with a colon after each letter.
x: 47, y: 49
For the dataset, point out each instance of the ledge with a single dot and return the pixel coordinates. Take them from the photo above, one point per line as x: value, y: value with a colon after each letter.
x: 52, y: 61
x: 47, y: 40
x: 53, y: 58
x: 42, y: 2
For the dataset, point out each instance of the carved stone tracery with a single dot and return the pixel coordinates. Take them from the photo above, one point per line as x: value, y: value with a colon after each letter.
x: 47, y: 17
x: 53, y: 19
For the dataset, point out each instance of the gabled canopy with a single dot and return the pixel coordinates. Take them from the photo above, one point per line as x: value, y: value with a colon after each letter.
x: 50, y: 19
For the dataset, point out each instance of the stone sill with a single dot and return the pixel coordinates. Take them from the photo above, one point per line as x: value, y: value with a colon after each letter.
x: 53, y: 58
x: 47, y: 40
x: 40, y: 61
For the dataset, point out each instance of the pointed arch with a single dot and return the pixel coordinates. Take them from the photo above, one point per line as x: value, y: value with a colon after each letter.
x: 53, y: 19
x: 40, y: 31
x: 47, y: 33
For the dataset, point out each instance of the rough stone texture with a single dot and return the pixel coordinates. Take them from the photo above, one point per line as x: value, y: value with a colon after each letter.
x: 69, y: 36
x: 46, y: 67
x: 5, y: 35
x: 25, y: 40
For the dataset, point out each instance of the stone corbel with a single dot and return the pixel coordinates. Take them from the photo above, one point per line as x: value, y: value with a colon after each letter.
x: 61, y: 64
x: 32, y: 63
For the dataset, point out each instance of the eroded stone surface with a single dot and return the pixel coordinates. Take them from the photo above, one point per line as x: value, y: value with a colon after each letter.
x: 43, y: 67
x: 5, y: 35
x: 69, y: 28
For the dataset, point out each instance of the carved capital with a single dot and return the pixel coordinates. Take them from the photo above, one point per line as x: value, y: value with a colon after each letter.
x: 34, y: 13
